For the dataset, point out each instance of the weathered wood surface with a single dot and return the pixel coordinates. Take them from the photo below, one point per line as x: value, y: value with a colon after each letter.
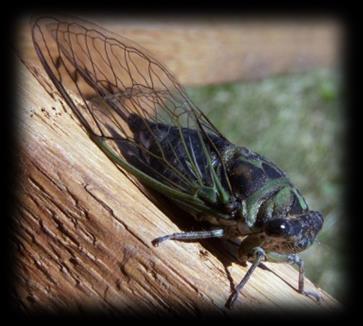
x: 83, y: 230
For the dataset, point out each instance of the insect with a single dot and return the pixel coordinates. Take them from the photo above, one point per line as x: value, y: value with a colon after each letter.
x: 134, y: 109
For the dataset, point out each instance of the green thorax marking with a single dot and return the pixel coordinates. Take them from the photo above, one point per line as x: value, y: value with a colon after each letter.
x: 252, y: 204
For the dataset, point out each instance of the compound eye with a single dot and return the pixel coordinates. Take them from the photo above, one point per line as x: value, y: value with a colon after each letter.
x: 278, y: 227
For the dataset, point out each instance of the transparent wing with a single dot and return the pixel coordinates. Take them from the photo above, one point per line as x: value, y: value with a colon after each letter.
x: 130, y: 101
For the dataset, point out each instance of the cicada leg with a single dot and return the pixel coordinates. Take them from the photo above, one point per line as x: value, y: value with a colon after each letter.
x: 294, y: 259
x: 192, y: 235
x: 259, y: 255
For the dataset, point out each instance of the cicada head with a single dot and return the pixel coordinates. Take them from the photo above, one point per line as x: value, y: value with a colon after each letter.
x: 292, y: 234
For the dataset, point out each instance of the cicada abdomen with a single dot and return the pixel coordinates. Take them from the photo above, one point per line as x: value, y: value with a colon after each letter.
x: 133, y: 108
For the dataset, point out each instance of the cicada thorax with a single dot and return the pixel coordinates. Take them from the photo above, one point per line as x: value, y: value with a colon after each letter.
x: 263, y: 189
x: 248, y: 172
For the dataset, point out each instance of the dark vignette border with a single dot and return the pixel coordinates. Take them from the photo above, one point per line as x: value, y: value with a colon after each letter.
x: 344, y: 13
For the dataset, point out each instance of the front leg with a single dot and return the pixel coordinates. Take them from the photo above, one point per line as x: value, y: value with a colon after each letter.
x: 192, y: 235
x: 294, y: 259
x: 256, y: 255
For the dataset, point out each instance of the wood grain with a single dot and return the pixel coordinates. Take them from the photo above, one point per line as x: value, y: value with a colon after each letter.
x: 84, y: 230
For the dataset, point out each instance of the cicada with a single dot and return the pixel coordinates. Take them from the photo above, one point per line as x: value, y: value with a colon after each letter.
x: 134, y: 109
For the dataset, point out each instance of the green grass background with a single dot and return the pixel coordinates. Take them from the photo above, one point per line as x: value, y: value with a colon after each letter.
x: 297, y: 121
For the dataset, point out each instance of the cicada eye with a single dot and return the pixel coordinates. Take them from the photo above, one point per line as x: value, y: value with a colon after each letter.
x: 277, y: 228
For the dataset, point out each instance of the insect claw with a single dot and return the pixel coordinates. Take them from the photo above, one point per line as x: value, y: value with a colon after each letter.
x: 157, y: 241
x: 313, y: 294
